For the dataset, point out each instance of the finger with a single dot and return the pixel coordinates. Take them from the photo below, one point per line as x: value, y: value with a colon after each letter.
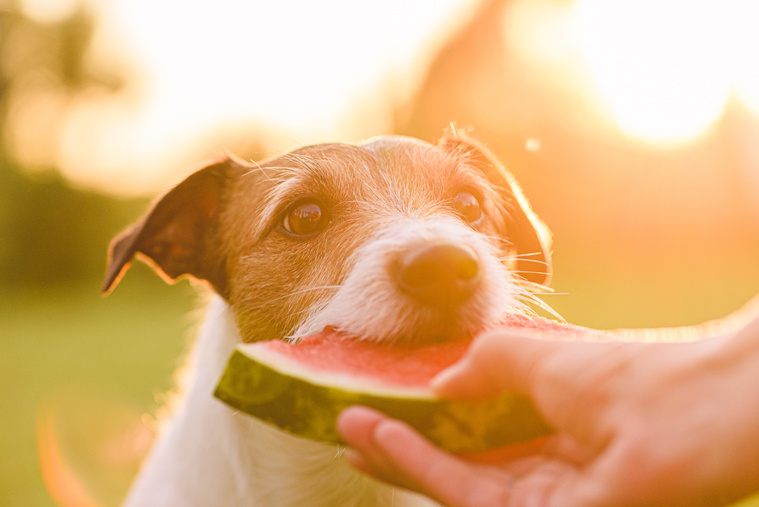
x: 497, y: 361
x: 449, y: 480
x: 395, y: 453
x: 570, y: 383
x: 356, y: 425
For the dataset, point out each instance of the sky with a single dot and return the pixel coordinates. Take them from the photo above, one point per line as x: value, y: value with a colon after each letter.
x: 302, y: 72
x: 305, y: 69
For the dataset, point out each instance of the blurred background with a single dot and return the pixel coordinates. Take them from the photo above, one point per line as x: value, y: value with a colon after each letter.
x: 633, y: 126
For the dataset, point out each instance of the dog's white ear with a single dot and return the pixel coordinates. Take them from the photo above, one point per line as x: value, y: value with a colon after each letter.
x: 179, y: 235
x: 529, y: 236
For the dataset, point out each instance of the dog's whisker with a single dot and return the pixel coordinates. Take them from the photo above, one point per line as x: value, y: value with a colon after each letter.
x: 522, y: 277
x: 526, y: 272
x: 531, y: 299
x: 548, y: 293
x: 539, y: 289
x: 528, y: 254
x: 537, y: 261
x: 507, y: 259
x: 307, y: 326
x: 305, y: 310
x: 258, y: 169
x: 525, y: 257
x: 307, y: 290
x: 533, y: 287
x: 496, y: 238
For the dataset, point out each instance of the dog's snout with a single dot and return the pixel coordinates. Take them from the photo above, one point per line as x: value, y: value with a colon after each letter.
x: 439, y: 274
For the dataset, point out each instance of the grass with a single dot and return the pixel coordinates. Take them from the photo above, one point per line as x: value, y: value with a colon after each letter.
x: 77, y: 357
x: 88, y: 368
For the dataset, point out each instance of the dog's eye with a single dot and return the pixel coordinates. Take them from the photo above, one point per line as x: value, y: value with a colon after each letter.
x: 304, y: 219
x: 468, y: 206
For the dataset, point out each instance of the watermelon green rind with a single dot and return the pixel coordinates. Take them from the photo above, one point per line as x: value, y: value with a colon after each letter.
x: 309, y: 408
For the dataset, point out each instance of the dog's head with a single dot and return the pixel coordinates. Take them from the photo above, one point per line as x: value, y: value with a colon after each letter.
x: 391, y: 239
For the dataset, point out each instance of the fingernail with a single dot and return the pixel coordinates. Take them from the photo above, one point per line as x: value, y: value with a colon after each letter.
x: 392, y: 436
x: 445, y: 378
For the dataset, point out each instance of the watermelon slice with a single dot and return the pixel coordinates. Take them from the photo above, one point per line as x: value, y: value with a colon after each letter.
x: 301, y: 388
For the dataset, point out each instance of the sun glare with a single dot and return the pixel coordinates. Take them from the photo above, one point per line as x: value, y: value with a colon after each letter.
x: 744, y: 58
x: 305, y: 72
x: 662, y: 66
x: 302, y: 68
x: 61, y: 482
x: 49, y: 11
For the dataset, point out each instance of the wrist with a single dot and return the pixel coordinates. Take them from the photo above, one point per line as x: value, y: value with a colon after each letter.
x: 740, y: 345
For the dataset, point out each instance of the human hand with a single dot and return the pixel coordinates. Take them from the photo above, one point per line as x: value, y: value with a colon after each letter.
x: 649, y: 424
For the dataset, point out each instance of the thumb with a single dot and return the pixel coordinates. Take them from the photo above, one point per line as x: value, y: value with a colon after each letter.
x: 497, y: 361
x: 568, y: 382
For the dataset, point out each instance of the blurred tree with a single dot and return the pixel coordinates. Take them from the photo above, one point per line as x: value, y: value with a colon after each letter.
x: 651, y: 235
x: 49, y: 231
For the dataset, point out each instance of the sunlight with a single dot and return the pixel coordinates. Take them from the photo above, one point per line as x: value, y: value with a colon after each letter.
x: 89, y: 447
x: 745, y: 50
x: 49, y: 11
x: 662, y: 66
x: 300, y: 68
x: 201, y: 80
x: 538, y: 32
x: 62, y: 483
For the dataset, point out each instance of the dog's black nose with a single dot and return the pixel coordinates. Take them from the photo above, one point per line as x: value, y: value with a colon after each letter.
x: 441, y: 275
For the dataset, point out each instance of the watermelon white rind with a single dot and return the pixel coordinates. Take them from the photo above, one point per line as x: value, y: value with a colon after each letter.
x: 308, y: 404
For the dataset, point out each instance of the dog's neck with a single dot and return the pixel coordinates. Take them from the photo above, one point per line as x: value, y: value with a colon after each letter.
x: 210, y: 455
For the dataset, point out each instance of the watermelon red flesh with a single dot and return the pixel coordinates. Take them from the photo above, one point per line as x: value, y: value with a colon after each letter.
x: 302, y: 388
x: 383, y: 365
x: 368, y: 363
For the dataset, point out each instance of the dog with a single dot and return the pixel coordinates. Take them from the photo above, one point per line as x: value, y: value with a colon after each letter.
x: 392, y: 240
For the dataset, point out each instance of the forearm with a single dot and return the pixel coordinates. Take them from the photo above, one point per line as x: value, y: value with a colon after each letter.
x: 723, y: 327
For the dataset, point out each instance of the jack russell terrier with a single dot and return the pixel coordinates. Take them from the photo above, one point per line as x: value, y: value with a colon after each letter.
x: 394, y: 239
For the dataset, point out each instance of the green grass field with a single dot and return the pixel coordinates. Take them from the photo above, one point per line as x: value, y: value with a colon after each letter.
x: 85, y: 367
x: 79, y: 372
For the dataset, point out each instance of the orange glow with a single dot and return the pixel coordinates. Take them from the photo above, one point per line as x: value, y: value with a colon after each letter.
x: 49, y: 11
x: 89, y: 447
x: 61, y: 482
x: 662, y: 66
x: 745, y: 51
x: 201, y: 68
x: 663, y: 70
x: 539, y: 32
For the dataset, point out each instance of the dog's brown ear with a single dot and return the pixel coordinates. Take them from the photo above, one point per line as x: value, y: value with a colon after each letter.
x: 179, y: 235
x: 529, y: 236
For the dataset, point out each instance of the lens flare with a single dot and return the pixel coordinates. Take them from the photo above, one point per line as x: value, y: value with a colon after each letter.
x: 661, y: 66
x: 62, y: 483
x: 745, y: 51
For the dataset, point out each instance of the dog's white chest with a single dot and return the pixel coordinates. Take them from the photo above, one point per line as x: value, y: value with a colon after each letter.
x: 210, y: 456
